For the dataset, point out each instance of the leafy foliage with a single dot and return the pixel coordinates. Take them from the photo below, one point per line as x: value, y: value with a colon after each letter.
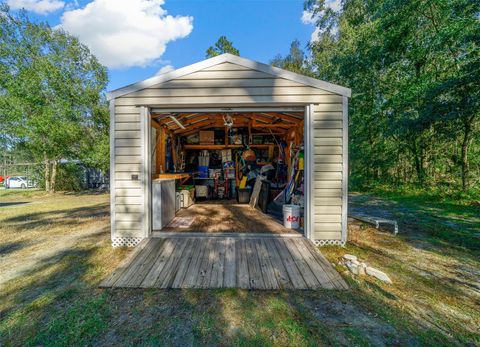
x: 51, y: 89
x: 222, y: 46
x: 414, y: 69
x: 295, y: 60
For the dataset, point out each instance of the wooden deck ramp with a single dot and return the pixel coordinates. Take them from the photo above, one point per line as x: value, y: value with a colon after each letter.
x: 249, y: 261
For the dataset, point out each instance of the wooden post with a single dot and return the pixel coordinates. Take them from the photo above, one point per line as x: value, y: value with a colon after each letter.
x: 160, y: 146
x: 270, y: 152
x: 288, y: 160
x: 174, y: 151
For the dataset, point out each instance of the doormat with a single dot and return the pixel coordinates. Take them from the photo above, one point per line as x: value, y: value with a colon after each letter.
x: 181, y: 222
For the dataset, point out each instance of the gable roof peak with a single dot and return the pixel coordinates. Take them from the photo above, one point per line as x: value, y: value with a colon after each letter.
x: 230, y: 58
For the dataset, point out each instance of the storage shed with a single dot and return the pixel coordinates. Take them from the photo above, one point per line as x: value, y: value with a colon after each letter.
x: 154, y: 125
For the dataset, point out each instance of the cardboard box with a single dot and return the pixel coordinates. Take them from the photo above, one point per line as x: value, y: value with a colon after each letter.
x: 207, y: 137
x: 212, y: 172
x: 230, y: 173
x: 201, y: 191
x: 226, y: 155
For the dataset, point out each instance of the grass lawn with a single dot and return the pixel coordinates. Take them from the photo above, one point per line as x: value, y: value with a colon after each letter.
x: 55, y: 250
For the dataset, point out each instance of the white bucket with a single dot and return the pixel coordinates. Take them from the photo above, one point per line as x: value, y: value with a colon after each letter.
x: 291, y: 216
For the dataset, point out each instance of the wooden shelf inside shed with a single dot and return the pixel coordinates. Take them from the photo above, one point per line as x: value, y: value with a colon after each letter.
x: 218, y: 147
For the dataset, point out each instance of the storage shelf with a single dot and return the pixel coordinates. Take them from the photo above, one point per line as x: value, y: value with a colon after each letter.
x: 217, y: 147
x: 213, y: 147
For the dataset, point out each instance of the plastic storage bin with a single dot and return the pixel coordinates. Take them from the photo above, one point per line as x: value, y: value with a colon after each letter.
x: 243, y: 196
x: 203, y: 171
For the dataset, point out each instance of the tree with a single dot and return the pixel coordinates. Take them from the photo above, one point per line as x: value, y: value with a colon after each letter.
x: 413, y: 67
x: 50, y: 86
x: 95, y: 151
x: 222, y: 46
x: 295, y: 60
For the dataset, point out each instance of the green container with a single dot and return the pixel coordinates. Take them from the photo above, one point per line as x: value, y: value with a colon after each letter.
x: 186, y: 187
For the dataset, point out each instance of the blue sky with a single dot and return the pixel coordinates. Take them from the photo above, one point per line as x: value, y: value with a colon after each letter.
x: 260, y: 29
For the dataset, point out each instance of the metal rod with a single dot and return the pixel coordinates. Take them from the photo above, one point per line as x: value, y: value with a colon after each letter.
x: 177, y: 122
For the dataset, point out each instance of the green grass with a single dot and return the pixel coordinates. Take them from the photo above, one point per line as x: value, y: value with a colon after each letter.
x: 450, y: 201
x: 56, y: 250
x: 15, y: 193
x: 445, y: 216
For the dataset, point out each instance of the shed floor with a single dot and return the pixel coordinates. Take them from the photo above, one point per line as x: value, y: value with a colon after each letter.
x: 235, y: 261
x: 225, y: 217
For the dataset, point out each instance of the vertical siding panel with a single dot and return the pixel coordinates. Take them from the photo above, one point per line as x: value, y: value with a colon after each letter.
x: 112, y: 168
x: 125, y: 160
x: 345, y: 171
x: 328, y: 161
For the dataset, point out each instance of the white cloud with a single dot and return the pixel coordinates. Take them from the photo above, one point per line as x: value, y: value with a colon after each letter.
x: 38, y: 6
x: 315, y: 34
x: 72, y: 5
x: 335, y: 5
x: 124, y: 33
x: 309, y: 18
x: 165, y: 69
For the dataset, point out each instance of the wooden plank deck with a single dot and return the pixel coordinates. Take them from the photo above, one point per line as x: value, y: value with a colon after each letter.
x: 226, y: 261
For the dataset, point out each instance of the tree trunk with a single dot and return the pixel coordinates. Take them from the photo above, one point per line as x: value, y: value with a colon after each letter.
x: 464, y: 163
x: 418, y: 162
x: 47, y: 174
x: 54, y: 175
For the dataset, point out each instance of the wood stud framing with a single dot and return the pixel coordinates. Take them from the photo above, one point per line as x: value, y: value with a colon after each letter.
x: 277, y: 122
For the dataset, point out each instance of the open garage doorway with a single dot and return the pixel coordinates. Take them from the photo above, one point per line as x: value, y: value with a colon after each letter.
x: 228, y: 170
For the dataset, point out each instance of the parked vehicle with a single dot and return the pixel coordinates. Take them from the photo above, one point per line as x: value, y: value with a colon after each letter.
x: 19, y: 182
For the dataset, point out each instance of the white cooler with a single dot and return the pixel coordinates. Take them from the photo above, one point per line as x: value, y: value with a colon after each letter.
x: 186, y: 197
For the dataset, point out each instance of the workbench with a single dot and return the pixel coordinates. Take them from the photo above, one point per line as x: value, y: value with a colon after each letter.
x: 182, y: 176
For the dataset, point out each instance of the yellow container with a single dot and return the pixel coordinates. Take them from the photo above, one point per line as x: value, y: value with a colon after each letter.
x: 243, y: 182
x: 300, y: 164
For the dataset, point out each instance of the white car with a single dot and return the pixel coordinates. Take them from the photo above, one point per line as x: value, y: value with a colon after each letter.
x: 17, y: 182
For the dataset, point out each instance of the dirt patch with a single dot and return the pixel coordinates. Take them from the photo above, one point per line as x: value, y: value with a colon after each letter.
x: 354, y: 322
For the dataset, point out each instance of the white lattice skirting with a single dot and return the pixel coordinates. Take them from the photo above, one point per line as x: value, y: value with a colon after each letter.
x: 126, y: 241
x: 329, y: 242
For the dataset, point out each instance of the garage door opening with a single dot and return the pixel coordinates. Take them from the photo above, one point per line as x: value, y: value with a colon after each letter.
x: 228, y: 170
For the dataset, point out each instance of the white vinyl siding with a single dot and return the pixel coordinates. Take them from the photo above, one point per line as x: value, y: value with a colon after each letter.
x: 327, y: 141
x: 232, y: 85
x: 128, y: 193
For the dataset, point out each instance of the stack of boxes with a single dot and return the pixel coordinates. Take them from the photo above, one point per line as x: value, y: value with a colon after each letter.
x: 207, y: 137
x: 228, y: 165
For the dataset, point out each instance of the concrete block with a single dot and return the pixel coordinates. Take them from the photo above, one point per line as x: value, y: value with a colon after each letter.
x: 382, y: 276
x: 349, y: 257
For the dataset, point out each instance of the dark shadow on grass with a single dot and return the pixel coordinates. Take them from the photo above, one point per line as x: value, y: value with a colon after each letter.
x: 67, y: 217
x: 13, y: 203
x: 12, y: 247
x: 58, y: 307
x: 87, y: 192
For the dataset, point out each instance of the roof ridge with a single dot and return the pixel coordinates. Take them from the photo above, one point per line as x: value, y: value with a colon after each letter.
x: 230, y: 58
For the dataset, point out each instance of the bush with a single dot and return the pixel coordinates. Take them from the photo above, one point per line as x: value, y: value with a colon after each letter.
x: 70, y: 177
